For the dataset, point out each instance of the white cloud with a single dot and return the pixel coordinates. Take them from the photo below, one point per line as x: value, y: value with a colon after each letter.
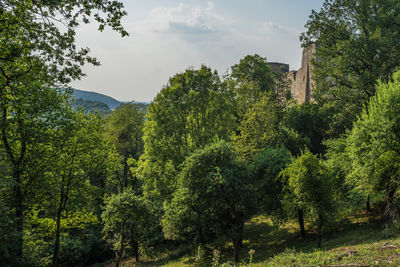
x: 167, y: 40
x: 183, y: 20
x: 272, y: 27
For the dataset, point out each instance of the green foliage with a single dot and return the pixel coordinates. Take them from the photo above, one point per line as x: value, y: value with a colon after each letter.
x: 193, y: 109
x: 308, y: 184
x: 262, y: 126
x: 309, y: 191
x: 77, y: 242
x: 254, y: 68
x: 374, y: 143
x: 68, y: 178
x: 36, y: 55
x: 259, y: 128
x: 91, y: 106
x: 356, y: 43
x: 124, y: 130
x: 127, y: 223
x: 338, y: 161
x: 263, y: 171
x: 31, y: 30
x: 8, y: 234
x: 212, y: 197
x: 310, y: 124
x: 251, y: 79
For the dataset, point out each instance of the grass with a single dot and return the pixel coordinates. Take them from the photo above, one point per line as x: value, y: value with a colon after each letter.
x: 360, y: 240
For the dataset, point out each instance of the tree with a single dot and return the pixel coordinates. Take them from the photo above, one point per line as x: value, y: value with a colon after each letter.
x: 374, y: 145
x: 338, y: 161
x: 27, y: 127
x: 308, y: 185
x: 75, y: 154
x: 263, y: 171
x: 262, y: 127
x: 309, y: 122
x: 45, y: 31
x: 212, y: 192
x: 252, y: 78
x: 356, y: 42
x: 193, y: 109
x: 256, y: 69
x: 258, y: 129
x: 125, y: 131
x: 37, y: 52
x: 127, y: 222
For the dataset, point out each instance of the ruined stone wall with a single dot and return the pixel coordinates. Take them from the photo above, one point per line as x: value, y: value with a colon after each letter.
x: 302, y: 83
x: 279, y: 67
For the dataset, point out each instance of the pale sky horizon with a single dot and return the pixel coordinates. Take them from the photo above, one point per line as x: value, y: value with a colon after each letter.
x: 168, y: 36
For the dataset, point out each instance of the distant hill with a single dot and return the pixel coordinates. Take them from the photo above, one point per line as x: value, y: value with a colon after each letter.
x: 92, y: 101
x: 97, y: 97
x: 91, y: 106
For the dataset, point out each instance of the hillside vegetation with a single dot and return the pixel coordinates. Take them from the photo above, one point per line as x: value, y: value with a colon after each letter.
x: 93, y: 96
x: 218, y: 170
x: 358, y: 240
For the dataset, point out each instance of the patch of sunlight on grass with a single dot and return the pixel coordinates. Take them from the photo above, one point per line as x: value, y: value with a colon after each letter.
x: 360, y: 239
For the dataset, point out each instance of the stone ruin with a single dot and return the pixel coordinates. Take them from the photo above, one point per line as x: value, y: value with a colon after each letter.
x: 301, y: 80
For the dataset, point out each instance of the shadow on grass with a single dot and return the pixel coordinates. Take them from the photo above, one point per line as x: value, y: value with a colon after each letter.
x: 268, y: 241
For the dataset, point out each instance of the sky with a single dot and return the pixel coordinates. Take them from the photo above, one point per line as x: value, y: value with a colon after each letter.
x: 168, y: 36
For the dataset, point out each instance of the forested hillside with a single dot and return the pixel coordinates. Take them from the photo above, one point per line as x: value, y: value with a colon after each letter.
x: 93, y: 96
x: 218, y: 170
x: 95, y: 102
x: 91, y: 106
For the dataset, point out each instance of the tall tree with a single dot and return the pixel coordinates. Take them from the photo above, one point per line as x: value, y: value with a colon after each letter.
x: 357, y: 44
x: 212, y: 192
x: 374, y: 146
x: 263, y: 172
x: 38, y: 51
x: 308, y: 185
x: 252, y: 78
x: 127, y: 223
x: 310, y: 123
x: 75, y: 154
x: 125, y: 131
x: 192, y: 110
x: 27, y: 129
x: 262, y: 126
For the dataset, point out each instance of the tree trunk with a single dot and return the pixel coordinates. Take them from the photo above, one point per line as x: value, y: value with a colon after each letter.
x: 300, y: 216
x: 237, y: 241
x: 135, y: 246
x: 58, y: 230
x: 125, y: 174
x: 368, y: 204
x: 201, y: 234
x: 236, y: 247
x: 241, y: 235
x: 391, y: 211
x: 319, y: 231
x: 19, y: 214
x: 121, y: 251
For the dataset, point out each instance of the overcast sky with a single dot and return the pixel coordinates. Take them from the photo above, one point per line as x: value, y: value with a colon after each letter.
x: 167, y: 36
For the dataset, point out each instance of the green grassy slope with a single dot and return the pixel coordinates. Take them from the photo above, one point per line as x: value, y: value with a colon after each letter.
x: 361, y: 240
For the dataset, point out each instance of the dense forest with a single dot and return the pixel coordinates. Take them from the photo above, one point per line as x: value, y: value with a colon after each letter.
x: 207, y: 155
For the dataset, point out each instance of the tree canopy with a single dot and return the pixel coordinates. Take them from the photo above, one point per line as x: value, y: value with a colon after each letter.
x: 191, y: 110
x: 374, y: 144
x: 356, y: 43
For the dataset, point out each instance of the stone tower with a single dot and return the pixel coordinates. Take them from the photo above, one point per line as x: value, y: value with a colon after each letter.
x: 279, y: 67
x: 302, y: 83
